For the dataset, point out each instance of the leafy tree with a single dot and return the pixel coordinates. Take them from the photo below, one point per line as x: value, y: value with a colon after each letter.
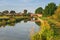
x: 12, y: 12
x: 39, y: 10
x: 25, y: 12
x: 49, y: 9
x: 5, y: 12
x: 46, y: 11
x: 0, y: 13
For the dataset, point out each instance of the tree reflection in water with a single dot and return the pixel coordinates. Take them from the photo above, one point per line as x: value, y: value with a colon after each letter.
x: 3, y: 23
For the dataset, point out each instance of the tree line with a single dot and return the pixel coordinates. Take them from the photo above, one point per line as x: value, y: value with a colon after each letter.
x: 48, y: 10
x: 7, y: 12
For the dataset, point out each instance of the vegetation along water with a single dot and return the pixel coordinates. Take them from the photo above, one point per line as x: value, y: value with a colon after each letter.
x: 48, y: 20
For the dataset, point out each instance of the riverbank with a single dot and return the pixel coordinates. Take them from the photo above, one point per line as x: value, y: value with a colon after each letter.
x: 53, y: 32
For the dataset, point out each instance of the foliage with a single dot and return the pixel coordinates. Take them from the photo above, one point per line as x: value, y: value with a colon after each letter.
x: 12, y: 12
x: 53, y: 21
x: 45, y: 33
x: 39, y: 10
x: 49, y: 9
x: 5, y: 12
x: 56, y: 16
x: 25, y: 11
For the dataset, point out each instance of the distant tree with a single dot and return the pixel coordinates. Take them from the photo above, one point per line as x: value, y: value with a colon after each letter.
x: 39, y: 10
x: 25, y: 12
x: 12, y: 12
x: 0, y: 13
x: 5, y: 12
x: 49, y: 9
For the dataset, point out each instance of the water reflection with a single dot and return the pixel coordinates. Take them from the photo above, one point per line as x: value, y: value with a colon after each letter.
x: 12, y: 23
x: 17, y: 30
x: 20, y: 31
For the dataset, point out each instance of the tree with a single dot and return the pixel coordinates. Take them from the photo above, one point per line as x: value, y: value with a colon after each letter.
x: 25, y: 12
x: 46, y: 11
x: 49, y: 9
x: 39, y: 10
x: 0, y: 13
x: 5, y: 12
x: 12, y: 12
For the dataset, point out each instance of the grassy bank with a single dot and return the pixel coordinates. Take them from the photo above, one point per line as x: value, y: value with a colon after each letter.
x: 45, y: 33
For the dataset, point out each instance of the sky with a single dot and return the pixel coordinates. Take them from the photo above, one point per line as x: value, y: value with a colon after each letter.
x: 20, y: 5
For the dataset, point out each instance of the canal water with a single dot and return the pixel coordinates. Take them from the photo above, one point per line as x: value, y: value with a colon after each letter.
x: 20, y: 31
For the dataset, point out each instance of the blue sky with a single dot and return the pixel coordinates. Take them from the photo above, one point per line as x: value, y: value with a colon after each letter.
x: 20, y: 5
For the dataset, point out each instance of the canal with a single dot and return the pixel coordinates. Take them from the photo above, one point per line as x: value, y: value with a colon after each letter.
x: 20, y: 31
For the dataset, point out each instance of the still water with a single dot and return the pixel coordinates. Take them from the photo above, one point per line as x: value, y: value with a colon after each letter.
x: 20, y: 31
